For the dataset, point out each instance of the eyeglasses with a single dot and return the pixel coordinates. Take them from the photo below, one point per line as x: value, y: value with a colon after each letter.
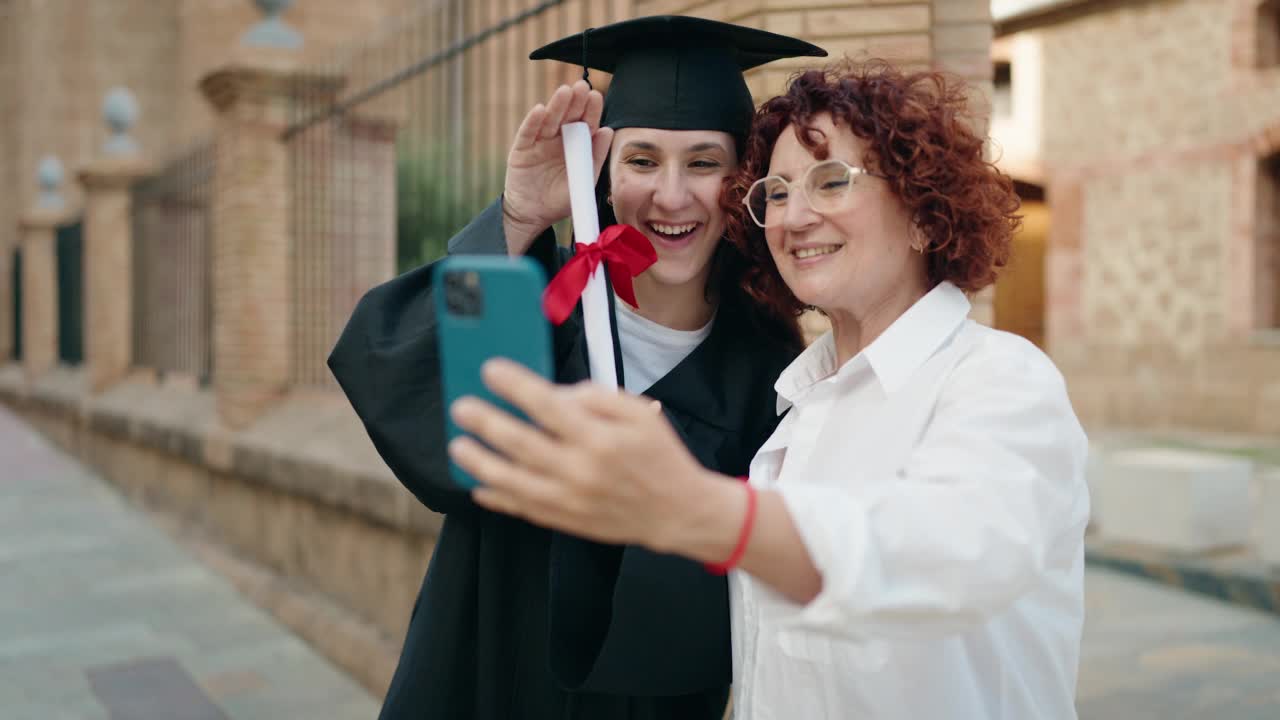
x: 826, y: 186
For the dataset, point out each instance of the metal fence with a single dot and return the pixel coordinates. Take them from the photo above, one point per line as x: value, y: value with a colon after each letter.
x: 173, y: 265
x: 69, y: 251
x: 396, y: 145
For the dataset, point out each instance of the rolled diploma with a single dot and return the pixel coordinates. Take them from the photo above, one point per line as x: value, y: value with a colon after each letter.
x: 586, y: 228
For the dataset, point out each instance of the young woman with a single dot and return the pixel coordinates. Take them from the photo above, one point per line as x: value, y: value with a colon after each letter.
x: 513, y: 620
x: 910, y: 541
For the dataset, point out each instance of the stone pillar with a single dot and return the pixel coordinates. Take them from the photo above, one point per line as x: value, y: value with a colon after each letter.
x: 39, y: 292
x: 251, y: 285
x: 108, y: 247
x: 6, y: 302
x: 40, y: 273
x: 251, y: 99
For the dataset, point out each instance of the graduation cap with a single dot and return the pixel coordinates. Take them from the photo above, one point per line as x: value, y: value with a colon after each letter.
x: 672, y: 72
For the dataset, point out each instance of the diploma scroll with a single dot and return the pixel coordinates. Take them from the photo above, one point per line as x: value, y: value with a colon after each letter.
x: 586, y: 228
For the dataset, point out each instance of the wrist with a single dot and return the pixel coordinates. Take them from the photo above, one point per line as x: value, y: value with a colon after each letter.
x: 519, y: 232
x: 707, y: 524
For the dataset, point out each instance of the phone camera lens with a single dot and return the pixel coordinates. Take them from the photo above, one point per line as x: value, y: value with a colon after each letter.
x: 463, y: 294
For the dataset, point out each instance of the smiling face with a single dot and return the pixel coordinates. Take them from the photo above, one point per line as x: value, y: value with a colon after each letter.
x: 667, y: 184
x: 850, y: 259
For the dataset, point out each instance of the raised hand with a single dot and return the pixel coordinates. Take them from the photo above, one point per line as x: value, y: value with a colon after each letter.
x: 536, y: 193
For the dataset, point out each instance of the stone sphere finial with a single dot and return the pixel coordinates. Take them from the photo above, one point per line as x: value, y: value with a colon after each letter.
x: 50, y: 175
x: 120, y: 111
x: 273, y: 8
x: 272, y: 31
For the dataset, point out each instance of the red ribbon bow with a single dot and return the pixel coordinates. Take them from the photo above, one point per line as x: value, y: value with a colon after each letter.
x: 629, y: 254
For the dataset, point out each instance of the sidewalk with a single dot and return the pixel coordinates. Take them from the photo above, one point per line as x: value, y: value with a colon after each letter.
x: 103, y: 616
x: 1156, y: 653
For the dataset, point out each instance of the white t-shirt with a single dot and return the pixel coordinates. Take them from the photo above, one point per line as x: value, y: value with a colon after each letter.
x: 650, y: 350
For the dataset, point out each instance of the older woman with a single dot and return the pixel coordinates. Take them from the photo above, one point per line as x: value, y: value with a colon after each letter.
x: 910, y: 541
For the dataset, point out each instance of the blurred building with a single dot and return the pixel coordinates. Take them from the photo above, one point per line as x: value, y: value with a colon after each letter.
x: 58, y: 58
x: 1152, y: 130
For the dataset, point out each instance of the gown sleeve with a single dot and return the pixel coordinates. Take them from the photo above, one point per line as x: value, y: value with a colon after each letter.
x: 387, y: 362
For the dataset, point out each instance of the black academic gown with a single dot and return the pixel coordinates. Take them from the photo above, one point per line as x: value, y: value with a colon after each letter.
x: 515, y: 621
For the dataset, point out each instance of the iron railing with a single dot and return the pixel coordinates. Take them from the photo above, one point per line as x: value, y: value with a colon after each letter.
x: 172, y: 266
x: 396, y: 145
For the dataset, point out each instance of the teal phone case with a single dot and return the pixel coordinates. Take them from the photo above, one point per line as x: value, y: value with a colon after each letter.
x: 506, y: 321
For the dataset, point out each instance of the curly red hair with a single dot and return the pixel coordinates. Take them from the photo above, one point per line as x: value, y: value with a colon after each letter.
x: 916, y: 129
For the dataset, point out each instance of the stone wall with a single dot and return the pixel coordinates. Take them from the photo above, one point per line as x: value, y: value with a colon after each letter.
x: 1152, y: 180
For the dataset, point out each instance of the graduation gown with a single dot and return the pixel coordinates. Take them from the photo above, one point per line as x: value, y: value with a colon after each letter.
x: 513, y: 620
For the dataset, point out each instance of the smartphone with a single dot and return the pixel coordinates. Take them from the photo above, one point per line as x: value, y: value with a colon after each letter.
x: 487, y: 306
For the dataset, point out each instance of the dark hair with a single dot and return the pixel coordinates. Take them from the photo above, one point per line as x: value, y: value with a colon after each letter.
x: 917, y: 128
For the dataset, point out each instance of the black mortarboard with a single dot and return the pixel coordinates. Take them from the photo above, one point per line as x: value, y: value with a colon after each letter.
x: 676, y: 73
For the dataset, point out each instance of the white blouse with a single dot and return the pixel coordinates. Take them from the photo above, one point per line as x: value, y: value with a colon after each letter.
x: 937, y: 480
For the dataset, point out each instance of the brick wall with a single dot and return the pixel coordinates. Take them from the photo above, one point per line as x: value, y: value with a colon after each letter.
x: 951, y: 35
x: 69, y: 53
x: 895, y: 31
x: 8, y: 116
x: 51, y: 86
x: 8, y: 170
x: 133, y: 43
x: 59, y: 57
x: 1151, y: 150
x: 954, y: 35
x: 209, y: 30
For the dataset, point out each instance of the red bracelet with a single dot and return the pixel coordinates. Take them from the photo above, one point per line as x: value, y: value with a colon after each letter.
x: 744, y: 536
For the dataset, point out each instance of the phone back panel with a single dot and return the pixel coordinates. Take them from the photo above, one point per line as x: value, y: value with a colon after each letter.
x: 508, y: 322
